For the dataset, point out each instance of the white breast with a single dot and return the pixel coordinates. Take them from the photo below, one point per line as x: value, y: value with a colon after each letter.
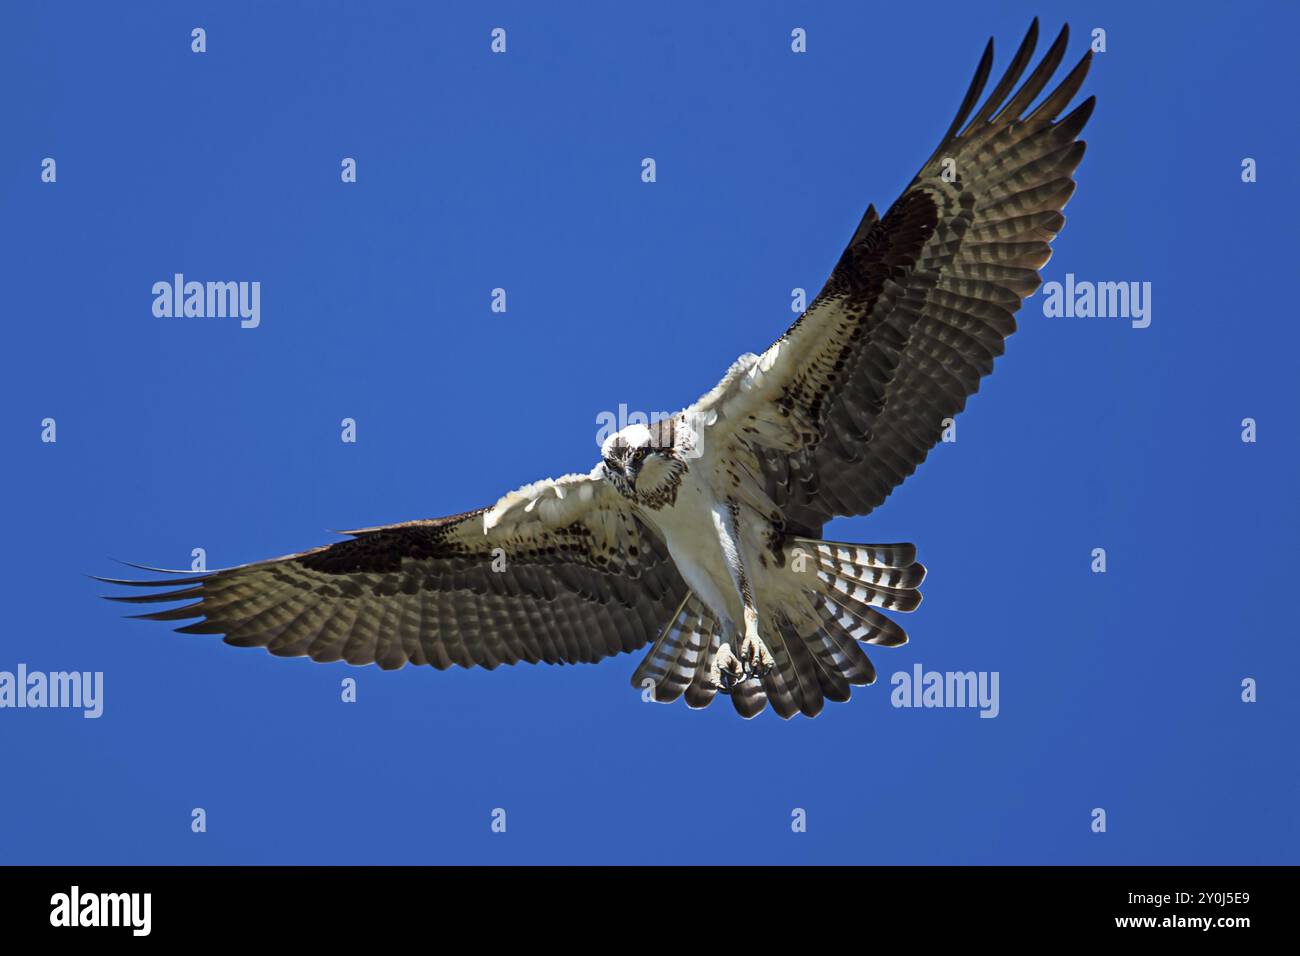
x: 688, y: 528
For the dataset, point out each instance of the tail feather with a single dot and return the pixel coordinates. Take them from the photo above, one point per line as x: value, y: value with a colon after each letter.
x: 848, y: 659
x: 891, y: 599
x: 903, y: 579
x: 674, y: 659
x: 816, y: 644
x: 870, y: 555
x: 794, y: 678
x: 811, y: 699
x: 701, y: 691
x: 779, y: 693
x: 781, y: 683
x: 686, y: 666
x: 882, y: 575
x: 830, y: 661
x: 870, y: 627
x: 748, y: 698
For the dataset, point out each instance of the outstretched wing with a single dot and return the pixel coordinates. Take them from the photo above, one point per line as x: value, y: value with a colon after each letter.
x: 559, y: 571
x: 845, y: 405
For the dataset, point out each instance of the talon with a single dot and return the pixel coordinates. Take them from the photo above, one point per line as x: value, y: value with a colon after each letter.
x: 756, y: 659
x: 727, y: 670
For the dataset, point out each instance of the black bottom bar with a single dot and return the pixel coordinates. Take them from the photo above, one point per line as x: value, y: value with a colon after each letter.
x: 335, y: 904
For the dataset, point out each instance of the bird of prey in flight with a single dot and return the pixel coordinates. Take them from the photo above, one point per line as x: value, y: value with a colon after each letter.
x: 700, y: 534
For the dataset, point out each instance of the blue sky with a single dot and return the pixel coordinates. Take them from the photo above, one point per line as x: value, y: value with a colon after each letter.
x: 522, y: 171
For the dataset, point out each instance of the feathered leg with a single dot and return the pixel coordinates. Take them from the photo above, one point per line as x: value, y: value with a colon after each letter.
x: 740, y: 674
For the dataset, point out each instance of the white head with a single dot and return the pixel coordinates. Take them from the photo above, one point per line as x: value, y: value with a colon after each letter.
x: 642, y: 462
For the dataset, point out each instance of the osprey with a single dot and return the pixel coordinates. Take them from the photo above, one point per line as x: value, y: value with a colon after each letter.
x: 700, y: 534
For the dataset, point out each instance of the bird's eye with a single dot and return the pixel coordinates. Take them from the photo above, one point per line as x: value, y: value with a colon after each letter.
x: 641, y: 453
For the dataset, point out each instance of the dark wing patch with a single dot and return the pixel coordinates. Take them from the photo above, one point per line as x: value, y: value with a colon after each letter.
x: 921, y: 302
x: 426, y: 592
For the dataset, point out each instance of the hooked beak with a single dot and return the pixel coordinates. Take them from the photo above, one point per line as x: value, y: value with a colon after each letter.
x: 630, y: 471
